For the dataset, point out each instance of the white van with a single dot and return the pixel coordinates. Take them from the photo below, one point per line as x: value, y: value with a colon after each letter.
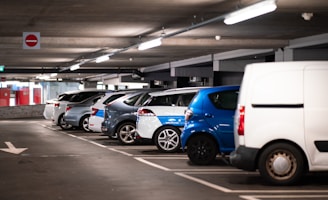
x: 280, y: 124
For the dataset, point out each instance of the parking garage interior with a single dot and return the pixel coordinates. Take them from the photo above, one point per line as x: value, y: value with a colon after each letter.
x: 41, y: 41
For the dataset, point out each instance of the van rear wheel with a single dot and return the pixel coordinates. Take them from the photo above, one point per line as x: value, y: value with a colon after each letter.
x: 202, y: 150
x: 281, y: 164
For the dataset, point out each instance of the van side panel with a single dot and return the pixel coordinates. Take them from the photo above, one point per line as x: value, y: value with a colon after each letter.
x: 274, y: 105
x: 316, y: 112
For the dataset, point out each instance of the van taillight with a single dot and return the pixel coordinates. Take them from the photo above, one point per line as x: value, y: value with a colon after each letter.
x: 94, y: 111
x: 241, y: 120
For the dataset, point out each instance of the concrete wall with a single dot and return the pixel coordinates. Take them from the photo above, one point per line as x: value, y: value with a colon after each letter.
x: 29, y: 111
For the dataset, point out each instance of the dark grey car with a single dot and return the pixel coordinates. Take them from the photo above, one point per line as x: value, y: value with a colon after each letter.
x: 120, y: 116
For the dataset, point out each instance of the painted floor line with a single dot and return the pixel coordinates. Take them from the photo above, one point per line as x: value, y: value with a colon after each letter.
x: 227, y: 190
x: 258, y: 197
x: 206, y: 183
x: 151, y: 164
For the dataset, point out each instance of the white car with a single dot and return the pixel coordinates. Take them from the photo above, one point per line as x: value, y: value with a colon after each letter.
x: 60, y: 107
x: 98, y: 109
x: 50, y: 104
x: 162, y: 119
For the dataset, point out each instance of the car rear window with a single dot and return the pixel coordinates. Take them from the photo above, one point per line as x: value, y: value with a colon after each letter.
x: 112, y: 98
x: 224, y: 100
x: 171, y: 100
x: 82, y: 96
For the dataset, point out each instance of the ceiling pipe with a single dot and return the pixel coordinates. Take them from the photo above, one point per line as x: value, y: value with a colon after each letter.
x: 192, y: 27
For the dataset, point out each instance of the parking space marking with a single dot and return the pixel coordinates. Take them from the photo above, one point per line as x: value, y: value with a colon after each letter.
x: 227, y: 190
x: 184, y: 173
x: 151, y: 164
x: 258, y: 197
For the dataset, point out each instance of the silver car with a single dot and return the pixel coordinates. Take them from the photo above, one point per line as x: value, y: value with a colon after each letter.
x: 77, y: 113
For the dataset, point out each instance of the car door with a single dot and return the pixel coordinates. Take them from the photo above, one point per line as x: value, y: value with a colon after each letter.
x: 219, y: 110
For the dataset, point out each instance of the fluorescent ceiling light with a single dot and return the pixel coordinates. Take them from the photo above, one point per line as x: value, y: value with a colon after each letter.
x: 74, y: 67
x: 43, y: 77
x: 53, y: 74
x: 252, y: 11
x: 150, y: 44
x: 102, y: 59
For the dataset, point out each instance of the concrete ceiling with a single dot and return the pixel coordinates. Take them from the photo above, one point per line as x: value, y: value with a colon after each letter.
x: 79, y: 30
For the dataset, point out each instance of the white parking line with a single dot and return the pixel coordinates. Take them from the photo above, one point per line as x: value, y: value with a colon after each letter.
x: 258, y: 197
x: 227, y: 190
x: 185, y: 173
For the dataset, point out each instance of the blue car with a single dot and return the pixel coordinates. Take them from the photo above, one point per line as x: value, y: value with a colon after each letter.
x: 209, y: 122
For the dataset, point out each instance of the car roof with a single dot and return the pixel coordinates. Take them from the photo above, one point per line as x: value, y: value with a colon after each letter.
x: 178, y: 91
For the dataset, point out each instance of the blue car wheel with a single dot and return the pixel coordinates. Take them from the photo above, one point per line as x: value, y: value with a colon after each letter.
x: 202, y: 149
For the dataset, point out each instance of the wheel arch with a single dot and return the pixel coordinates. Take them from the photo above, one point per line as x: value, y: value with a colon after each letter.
x: 206, y: 134
x: 82, y: 118
x: 122, y: 122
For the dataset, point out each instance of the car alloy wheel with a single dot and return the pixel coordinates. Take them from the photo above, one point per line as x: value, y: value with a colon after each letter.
x: 84, y: 124
x: 63, y: 124
x: 126, y: 133
x: 167, y: 139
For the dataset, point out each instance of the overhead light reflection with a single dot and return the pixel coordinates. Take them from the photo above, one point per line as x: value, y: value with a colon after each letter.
x: 150, y: 44
x: 252, y: 11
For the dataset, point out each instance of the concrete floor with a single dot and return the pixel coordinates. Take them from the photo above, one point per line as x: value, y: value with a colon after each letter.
x: 71, y: 165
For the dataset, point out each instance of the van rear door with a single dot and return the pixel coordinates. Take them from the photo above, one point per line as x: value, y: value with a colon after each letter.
x: 315, y: 114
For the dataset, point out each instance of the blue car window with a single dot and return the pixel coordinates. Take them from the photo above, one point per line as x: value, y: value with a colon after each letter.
x: 226, y: 100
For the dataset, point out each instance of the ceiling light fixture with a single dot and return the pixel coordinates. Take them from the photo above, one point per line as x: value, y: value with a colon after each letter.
x: 252, y: 11
x: 53, y: 74
x: 150, y: 44
x: 102, y: 59
x: 74, y: 67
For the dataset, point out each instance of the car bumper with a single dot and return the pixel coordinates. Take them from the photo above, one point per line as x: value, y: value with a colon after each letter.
x: 72, y: 120
x: 244, y: 158
x: 146, y: 126
x: 95, y: 123
x: 107, y: 129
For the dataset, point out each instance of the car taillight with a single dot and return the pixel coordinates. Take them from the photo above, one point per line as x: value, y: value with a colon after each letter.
x: 145, y: 112
x: 188, y: 115
x: 241, y: 120
x: 94, y: 111
x: 56, y: 104
x: 68, y: 108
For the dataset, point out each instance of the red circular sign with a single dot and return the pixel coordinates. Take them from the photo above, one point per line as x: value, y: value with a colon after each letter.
x: 31, y: 40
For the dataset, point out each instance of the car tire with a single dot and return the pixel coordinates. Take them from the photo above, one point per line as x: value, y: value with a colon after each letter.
x: 281, y: 164
x: 202, y: 149
x: 167, y: 139
x: 126, y: 133
x: 63, y: 124
x: 84, y: 123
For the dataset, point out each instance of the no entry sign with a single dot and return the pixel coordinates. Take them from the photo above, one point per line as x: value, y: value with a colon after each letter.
x: 31, y: 40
